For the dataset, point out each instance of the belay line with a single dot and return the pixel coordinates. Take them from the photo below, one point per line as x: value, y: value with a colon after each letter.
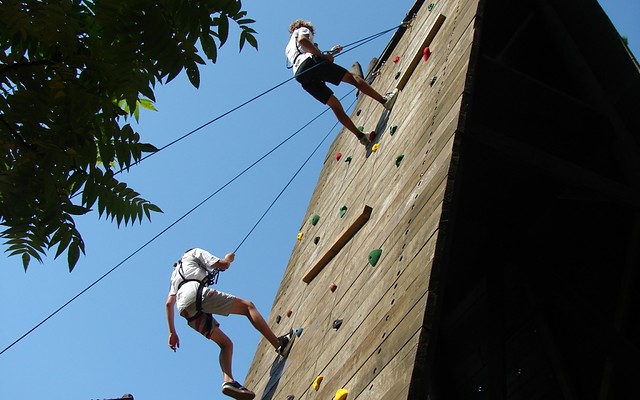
x: 346, y: 48
x: 174, y: 223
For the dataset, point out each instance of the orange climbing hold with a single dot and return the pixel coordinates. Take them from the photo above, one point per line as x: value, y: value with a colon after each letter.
x: 289, y: 312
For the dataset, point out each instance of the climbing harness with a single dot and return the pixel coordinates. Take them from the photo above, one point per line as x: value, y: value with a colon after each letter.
x: 211, y: 278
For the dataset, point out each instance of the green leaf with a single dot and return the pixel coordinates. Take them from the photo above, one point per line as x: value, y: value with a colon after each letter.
x: 73, y: 255
x: 223, y: 28
x: 25, y: 261
x: 194, y: 75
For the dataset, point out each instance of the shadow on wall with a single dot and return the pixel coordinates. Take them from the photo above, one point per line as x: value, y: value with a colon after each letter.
x: 277, y: 368
x: 381, y: 128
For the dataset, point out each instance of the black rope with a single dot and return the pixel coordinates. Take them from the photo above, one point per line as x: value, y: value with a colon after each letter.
x: 162, y: 232
x: 346, y: 48
x: 292, y: 178
x: 355, y: 44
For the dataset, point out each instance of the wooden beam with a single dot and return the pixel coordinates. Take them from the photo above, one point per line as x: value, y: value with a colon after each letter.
x: 419, y: 54
x: 342, y: 240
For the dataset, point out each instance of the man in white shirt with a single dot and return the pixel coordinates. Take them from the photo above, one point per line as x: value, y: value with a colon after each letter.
x: 197, y: 302
x: 312, y: 69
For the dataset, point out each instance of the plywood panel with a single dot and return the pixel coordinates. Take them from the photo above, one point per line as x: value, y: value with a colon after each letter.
x: 382, y: 307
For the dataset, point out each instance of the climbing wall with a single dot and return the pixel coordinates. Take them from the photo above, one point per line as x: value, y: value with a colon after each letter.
x: 360, y: 281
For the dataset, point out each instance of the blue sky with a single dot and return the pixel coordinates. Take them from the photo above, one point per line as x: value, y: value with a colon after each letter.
x: 112, y: 340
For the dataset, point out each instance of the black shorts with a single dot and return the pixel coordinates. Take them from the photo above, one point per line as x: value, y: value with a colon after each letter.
x: 314, y: 72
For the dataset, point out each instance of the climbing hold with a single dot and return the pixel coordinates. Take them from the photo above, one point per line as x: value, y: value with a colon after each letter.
x: 348, y: 159
x: 278, y: 318
x: 430, y: 6
x: 316, y: 239
x: 374, y: 148
x: 333, y: 287
x: 317, y: 382
x: 338, y: 156
x: 426, y: 53
x: 300, y: 235
x: 289, y: 312
x: 399, y: 159
x: 341, y: 394
x: 374, y: 256
x: 397, y: 75
x: 433, y: 80
x: 290, y: 397
x: 299, y: 331
x: 337, y: 324
x: 315, y: 219
x: 393, y: 129
x: 396, y: 59
x: 358, y: 112
x: 343, y: 211
x: 361, y: 128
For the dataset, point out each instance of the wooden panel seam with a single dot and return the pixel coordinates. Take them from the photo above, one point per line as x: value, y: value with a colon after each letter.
x: 342, y: 240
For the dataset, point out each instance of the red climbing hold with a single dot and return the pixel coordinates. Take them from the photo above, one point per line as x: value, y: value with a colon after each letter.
x: 426, y: 53
x: 338, y: 156
x: 333, y: 287
x: 289, y: 312
x: 396, y: 59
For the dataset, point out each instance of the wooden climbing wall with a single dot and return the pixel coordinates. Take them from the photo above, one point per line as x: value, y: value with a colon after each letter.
x: 384, y: 308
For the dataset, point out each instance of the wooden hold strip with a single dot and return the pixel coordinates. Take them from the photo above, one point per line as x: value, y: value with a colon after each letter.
x: 342, y: 240
x: 419, y: 54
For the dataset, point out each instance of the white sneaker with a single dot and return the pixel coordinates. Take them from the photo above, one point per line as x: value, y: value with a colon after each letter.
x: 389, y: 99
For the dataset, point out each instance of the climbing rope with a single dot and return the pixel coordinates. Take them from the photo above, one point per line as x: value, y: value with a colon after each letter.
x: 354, y: 45
x: 174, y: 223
x: 292, y: 178
x: 349, y: 47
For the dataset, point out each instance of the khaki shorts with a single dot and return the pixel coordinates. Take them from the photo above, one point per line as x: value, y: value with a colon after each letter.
x: 213, y: 302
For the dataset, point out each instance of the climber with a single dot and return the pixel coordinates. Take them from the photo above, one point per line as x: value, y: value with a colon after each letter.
x: 196, y: 302
x: 312, y: 69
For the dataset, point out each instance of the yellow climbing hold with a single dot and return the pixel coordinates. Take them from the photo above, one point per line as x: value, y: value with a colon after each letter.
x: 316, y: 382
x: 374, y: 148
x: 300, y: 235
x: 341, y: 394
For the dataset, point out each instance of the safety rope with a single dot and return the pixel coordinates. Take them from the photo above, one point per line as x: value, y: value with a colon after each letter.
x: 354, y: 45
x: 350, y: 46
x: 290, y: 180
x: 162, y: 232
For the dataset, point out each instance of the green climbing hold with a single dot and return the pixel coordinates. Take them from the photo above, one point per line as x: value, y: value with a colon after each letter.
x: 399, y: 159
x: 430, y: 6
x: 374, y: 256
x: 393, y: 129
x: 348, y: 159
x: 315, y: 219
x: 361, y: 128
x: 343, y: 211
